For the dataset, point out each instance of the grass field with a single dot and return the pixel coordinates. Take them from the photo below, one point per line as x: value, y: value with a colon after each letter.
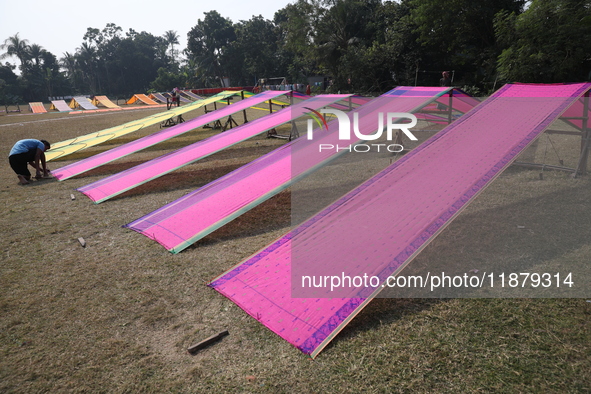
x: 119, y: 314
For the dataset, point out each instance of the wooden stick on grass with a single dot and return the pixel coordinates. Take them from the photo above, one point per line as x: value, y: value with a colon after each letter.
x: 206, y: 342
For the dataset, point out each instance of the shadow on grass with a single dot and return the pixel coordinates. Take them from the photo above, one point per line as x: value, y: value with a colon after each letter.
x: 108, y: 169
x: 383, y: 311
x: 524, y: 236
x: 179, y: 180
x: 560, y: 221
x: 40, y: 182
x: 271, y: 215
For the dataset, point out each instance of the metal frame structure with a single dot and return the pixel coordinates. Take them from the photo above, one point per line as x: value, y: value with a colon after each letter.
x: 584, y: 132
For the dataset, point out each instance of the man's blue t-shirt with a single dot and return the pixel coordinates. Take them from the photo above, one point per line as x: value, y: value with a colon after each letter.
x: 24, y: 146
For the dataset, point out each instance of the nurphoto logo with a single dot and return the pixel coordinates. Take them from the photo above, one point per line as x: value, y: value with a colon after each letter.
x: 392, y: 120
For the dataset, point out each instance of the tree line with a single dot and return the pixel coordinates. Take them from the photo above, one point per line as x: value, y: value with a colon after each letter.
x: 360, y: 46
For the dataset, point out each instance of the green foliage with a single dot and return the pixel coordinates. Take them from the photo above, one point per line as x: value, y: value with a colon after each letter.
x: 109, y: 63
x: 166, y: 81
x: 171, y: 39
x: 41, y: 77
x: 343, y: 32
x: 9, y: 88
x: 390, y: 58
x: 40, y: 74
x: 209, y: 45
x: 361, y: 46
x: 459, y: 35
x: 257, y: 42
x: 547, y: 43
x: 14, y: 46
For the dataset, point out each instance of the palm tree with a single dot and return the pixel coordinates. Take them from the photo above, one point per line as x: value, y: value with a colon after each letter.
x: 171, y: 38
x: 14, y: 46
x: 69, y: 63
x: 189, y: 73
x: 35, y: 52
x: 161, y: 48
x: 86, y: 57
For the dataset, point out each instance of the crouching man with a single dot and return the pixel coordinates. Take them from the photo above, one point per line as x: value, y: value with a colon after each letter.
x: 30, y: 152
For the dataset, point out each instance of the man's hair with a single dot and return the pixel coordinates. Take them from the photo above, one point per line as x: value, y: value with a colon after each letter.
x: 47, y: 145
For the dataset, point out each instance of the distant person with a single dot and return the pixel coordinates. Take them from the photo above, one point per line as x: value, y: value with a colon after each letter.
x: 308, y: 90
x: 172, y: 99
x: 175, y: 97
x: 178, y: 96
x: 30, y: 152
x: 445, y: 79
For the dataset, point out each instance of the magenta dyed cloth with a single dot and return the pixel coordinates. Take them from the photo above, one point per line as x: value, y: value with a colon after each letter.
x: 404, y: 207
x: 118, y: 183
x: 188, y: 219
x: 95, y: 161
